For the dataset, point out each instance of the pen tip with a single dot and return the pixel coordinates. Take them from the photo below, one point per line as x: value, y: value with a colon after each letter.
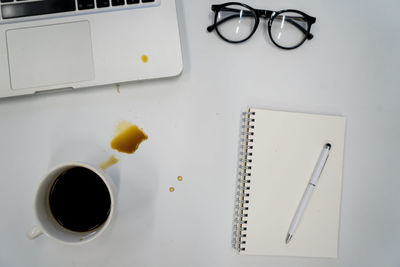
x: 288, y: 238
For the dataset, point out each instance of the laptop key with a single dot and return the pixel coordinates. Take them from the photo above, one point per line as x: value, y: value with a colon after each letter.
x: 103, y: 3
x: 85, y: 4
x: 147, y: 1
x: 118, y: 2
x: 6, y: 1
x: 24, y: 9
x: 130, y: 2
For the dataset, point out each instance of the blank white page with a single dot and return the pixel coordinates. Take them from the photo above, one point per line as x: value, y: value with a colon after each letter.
x: 286, y: 148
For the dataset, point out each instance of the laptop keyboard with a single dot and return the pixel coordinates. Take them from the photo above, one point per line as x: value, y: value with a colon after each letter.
x: 13, y: 9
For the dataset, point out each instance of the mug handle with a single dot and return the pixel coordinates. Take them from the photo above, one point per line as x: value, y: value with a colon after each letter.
x: 34, y: 232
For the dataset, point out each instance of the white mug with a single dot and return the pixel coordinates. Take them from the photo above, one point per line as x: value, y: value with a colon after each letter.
x: 48, y: 225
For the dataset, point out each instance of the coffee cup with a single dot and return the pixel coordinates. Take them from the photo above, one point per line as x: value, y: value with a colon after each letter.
x: 74, y: 203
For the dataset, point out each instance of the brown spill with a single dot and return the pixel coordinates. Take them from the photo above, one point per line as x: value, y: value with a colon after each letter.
x: 180, y: 178
x: 128, y: 137
x: 145, y: 58
x: 171, y: 189
x: 117, y: 86
x: 107, y: 164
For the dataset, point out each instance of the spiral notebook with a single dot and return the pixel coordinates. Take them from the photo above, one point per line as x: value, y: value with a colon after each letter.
x: 279, y: 151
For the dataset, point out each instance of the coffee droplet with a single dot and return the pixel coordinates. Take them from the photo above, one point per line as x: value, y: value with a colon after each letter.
x: 180, y: 178
x: 145, y: 58
x: 128, y: 137
x: 107, y: 164
x: 171, y: 189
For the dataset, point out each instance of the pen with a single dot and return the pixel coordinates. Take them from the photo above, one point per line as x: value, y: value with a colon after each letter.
x: 309, y: 189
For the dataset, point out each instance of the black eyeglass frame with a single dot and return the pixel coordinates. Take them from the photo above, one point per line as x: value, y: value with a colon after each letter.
x: 266, y: 14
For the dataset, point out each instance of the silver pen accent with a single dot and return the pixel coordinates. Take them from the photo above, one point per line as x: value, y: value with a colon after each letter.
x: 308, y: 192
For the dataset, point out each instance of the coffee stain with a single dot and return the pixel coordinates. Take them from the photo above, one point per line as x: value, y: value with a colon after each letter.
x: 117, y: 87
x: 171, y: 189
x: 145, y: 58
x: 180, y: 178
x: 108, y: 163
x: 128, y: 137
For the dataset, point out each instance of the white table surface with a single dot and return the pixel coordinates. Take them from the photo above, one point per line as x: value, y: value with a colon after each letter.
x: 350, y: 68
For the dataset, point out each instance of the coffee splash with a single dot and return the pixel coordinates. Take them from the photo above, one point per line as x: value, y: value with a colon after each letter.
x: 128, y: 137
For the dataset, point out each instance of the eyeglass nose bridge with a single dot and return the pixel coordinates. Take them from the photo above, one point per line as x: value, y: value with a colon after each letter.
x: 266, y: 14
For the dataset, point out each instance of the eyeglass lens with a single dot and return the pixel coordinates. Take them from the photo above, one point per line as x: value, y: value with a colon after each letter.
x: 289, y: 29
x: 235, y: 23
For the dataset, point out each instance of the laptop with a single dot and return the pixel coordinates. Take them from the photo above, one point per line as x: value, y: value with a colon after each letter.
x: 48, y: 45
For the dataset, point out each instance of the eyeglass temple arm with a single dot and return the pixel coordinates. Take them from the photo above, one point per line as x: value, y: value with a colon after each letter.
x: 249, y: 14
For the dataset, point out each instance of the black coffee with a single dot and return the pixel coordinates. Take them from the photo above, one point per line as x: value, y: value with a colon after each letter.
x: 79, y: 200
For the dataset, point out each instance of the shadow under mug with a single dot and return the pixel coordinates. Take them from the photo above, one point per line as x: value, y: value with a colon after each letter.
x: 48, y: 225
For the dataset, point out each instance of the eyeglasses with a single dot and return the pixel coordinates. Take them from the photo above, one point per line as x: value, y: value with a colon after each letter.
x: 237, y: 22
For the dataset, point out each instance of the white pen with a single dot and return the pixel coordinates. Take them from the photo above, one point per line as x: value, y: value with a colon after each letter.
x: 307, y: 194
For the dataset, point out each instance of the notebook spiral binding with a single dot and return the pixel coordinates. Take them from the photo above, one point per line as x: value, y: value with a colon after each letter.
x: 244, y: 174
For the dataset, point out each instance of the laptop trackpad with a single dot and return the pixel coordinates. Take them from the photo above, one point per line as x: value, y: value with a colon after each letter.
x: 50, y: 55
